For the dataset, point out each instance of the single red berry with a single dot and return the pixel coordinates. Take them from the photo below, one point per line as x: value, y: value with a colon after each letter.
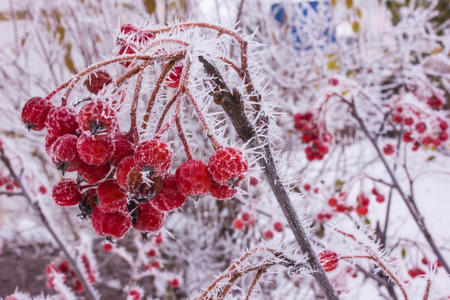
x: 42, y: 190
x: 175, y: 283
x: 97, y: 118
x: 34, y: 113
x: 153, y: 156
x: 420, y: 127
x: 107, y: 247
x: 408, y: 121
x: 438, y: 263
x: 246, y: 216
x: 380, y: 198
x: 332, y: 202
x: 122, y: 148
x: 126, y: 50
x: 61, y: 120
x: 238, y: 224
x: 443, y: 125
x: 407, y: 137
x: 307, y: 187
x: 114, y: 224
x: 174, y: 77
x: 388, y: 149
x: 362, y: 210
x: 156, y: 264
x: 134, y: 295
x: 397, y: 118
x: 278, y: 226
x: 434, y: 102
x: 333, y: 81
x: 221, y: 192
x: 92, y: 174
x: 254, y: 181
x: 414, y: 272
x: 124, y: 167
x: 149, y: 218
x: 97, y: 80
x: 151, y: 253
x: 268, y: 235
x: 159, y: 239
x: 361, y: 199
x: 443, y: 136
x: 66, y: 193
x: 425, y: 261
x: 111, y: 196
x: 329, y: 260
x: 95, y: 150
x: 64, y: 153
x: 374, y: 191
x: 193, y: 178
x: 128, y: 29
x: 169, y: 198
x: 227, y: 165
x: 316, y: 190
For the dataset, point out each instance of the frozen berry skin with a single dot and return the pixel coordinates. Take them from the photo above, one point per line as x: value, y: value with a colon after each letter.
x: 97, y: 118
x: 193, y: 178
x: 420, y: 127
x: 97, y: 80
x: 126, y: 50
x: 49, y: 140
x: 148, y: 218
x: 227, y: 165
x: 64, y: 153
x: 61, y: 120
x: 66, y: 193
x: 124, y: 167
x: 114, y: 224
x: 95, y: 151
x: 221, y: 192
x: 122, y: 148
x: 34, y: 113
x: 92, y: 174
x: 169, y: 198
x: 153, y: 156
x: 174, y: 77
x: 111, y: 197
x: 329, y: 260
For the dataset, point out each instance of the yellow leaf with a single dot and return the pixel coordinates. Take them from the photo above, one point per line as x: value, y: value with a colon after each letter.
x: 359, y: 12
x: 316, y: 86
x: 355, y: 27
x: 343, y: 93
x: 333, y: 2
x: 333, y: 65
x: 68, y: 59
x: 150, y: 6
x: 349, y: 3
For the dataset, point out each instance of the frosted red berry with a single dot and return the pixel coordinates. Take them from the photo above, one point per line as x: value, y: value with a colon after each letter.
x: 111, y: 197
x: 227, y: 165
x: 34, y: 113
x: 61, y: 120
x: 238, y: 224
x: 174, y: 77
x: 124, y: 167
x: 307, y: 187
x: 151, y: 253
x: 254, y: 181
x: 278, y: 226
x: 148, y: 218
x: 153, y: 156
x: 122, y: 148
x: 443, y: 125
x: 95, y: 150
x: 66, y: 193
x: 108, y: 247
x: 93, y: 174
x: 388, y: 149
x: 114, y: 224
x: 169, y: 198
x: 414, y: 272
x: 126, y: 50
x: 435, y: 102
x: 329, y: 260
x: 221, y: 192
x: 175, y: 283
x: 362, y: 210
x: 193, y: 178
x: 332, y: 202
x: 379, y: 198
x: 420, y: 127
x: 97, y: 80
x: 268, y: 235
x: 97, y: 117
x: 64, y: 153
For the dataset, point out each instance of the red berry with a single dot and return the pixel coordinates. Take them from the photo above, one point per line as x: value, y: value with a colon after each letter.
x: 122, y: 148
x: 443, y: 125
x: 174, y: 77
x: 278, y: 226
x: 95, y: 150
x: 434, y: 102
x: 128, y: 29
x: 380, y: 198
x: 66, y: 193
x: 329, y: 260
x: 238, y: 224
x: 159, y: 239
x: 108, y: 247
x: 153, y: 156
x: 307, y: 187
x: 64, y: 153
x: 169, y: 198
x: 227, y: 165
x: 151, y: 253
x: 388, y: 149
x: 111, y: 196
x: 126, y: 50
x: 221, y: 192
x: 397, y: 118
x: 443, y: 136
x: 254, y: 181
x: 97, y: 117
x: 407, y: 137
x: 362, y: 210
x: 114, y: 224
x: 61, y: 120
x: 341, y: 208
x: 92, y: 174
x: 156, y: 264
x: 175, y: 283
x: 420, y: 127
x: 414, y: 272
x: 34, y: 113
x: 134, y: 295
x: 333, y: 81
x: 425, y: 261
x: 246, y: 217
x: 149, y: 218
x: 193, y: 178
x: 97, y: 80
x: 49, y: 140
x: 408, y: 121
x: 332, y: 202
x: 124, y: 167
x: 42, y: 190
x: 268, y: 235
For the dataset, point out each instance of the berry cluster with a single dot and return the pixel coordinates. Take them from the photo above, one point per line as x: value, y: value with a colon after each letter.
x: 246, y: 218
x: 277, y: 227
x: 316, y: 138
x: 8, y: 183
x: 419, y: 129
x: 62, y: 268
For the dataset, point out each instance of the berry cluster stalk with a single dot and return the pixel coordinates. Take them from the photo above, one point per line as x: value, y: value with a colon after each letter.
x: 233, y: 107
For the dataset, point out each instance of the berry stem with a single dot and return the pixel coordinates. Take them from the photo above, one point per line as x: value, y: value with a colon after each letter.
x: 155, y: 91
x: 133, y: 128
x: 183, y: 138
x: 90, y: 294
x: 129, y: 74
x: 254, y: 282
x: 166, y: 110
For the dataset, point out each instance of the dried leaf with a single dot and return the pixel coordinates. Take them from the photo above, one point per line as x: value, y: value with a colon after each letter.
x: 349, y: 3
x: 150, y: 6
x: 355, y: 27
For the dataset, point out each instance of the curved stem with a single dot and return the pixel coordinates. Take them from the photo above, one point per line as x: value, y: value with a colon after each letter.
x: 133, y: 128
x: 254, y: 282
x: 183, y: 138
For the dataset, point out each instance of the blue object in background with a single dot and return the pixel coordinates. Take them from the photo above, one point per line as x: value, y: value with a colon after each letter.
x: 307, y: 18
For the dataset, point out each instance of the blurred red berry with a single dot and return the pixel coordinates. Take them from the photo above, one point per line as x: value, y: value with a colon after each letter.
x: 388, y: 149
x: 238, y: 224
x: 278, y: 226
